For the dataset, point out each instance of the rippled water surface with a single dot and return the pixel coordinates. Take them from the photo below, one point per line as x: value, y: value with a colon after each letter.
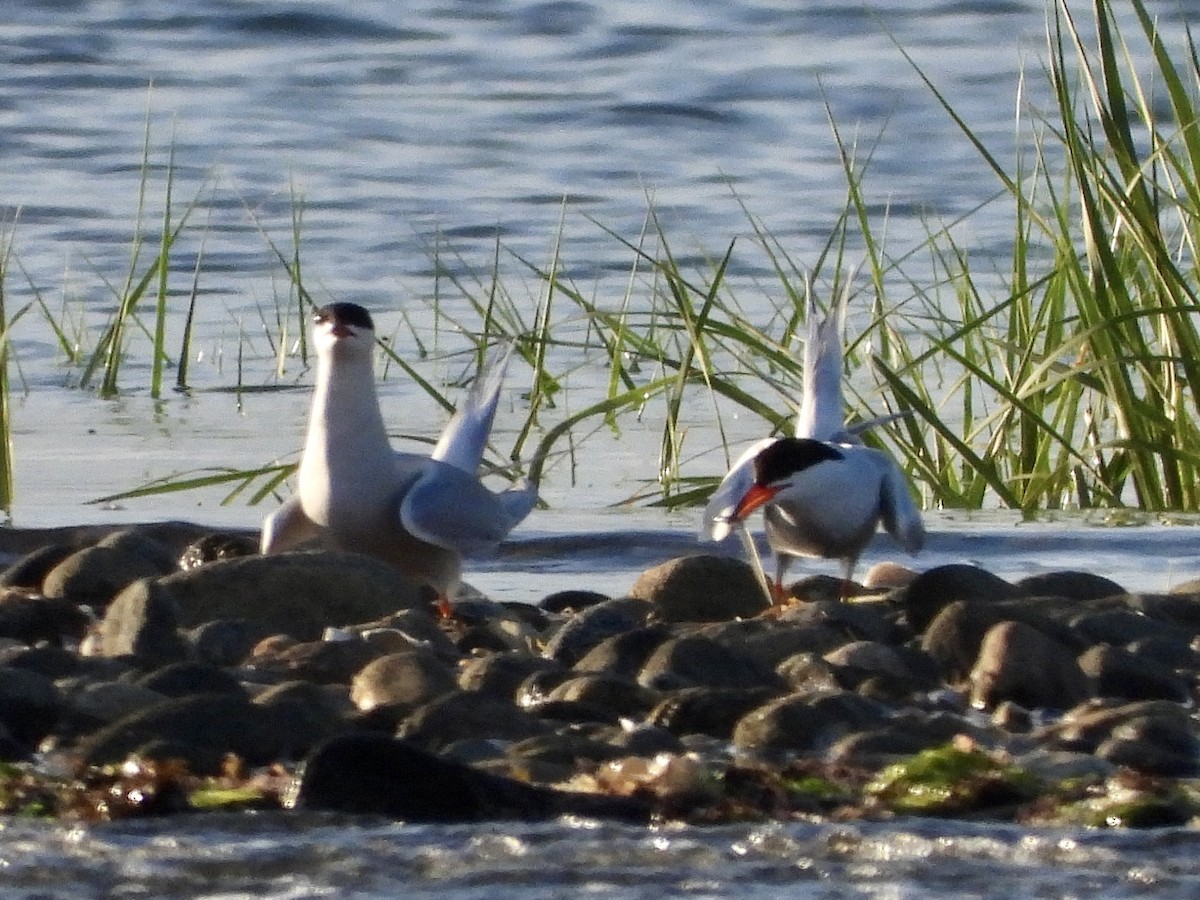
x: 477, y: 133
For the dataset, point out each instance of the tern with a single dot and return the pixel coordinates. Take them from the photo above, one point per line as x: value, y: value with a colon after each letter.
x: 822, y: 492
x: 422, y: 514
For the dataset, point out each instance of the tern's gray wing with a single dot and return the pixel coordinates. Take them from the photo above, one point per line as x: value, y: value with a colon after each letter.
x: 287, y: 527
x: 821, y: 405
x: 717, y: 523
x: 900, y: 515
x: 447, y: 507
x: 465, y: 437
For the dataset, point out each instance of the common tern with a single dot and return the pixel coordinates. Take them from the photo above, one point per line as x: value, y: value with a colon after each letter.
x: 822, y: 492
x: 422, y: 514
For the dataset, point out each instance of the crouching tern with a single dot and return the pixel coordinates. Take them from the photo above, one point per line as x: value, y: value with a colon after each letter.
x: 422, y: 514
x: 822, y: 492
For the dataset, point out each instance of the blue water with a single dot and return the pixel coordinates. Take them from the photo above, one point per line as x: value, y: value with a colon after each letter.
x: 478, y: 135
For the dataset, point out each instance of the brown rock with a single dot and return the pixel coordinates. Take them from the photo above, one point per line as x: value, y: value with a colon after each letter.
x: 933, y: 590
x: 1019, y: 663
x: 406, y: 678
x: 701, y: 589
x: 95, y: 575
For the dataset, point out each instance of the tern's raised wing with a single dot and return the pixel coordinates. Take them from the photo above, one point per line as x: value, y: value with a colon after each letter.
x: 718, y: 513
x: 466, y: 434
x: 447, y: 507
x: 900, y: 515
x: 822, y: 409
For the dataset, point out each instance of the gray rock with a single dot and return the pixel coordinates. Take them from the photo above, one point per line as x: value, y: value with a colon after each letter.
x: 460, y: 715
x: 1117, y: 673
x: 107, y: 701
x: 1071, y: 585
x: 1088, y: 725
x: 30, y: 618
x: 701, y: 589
x: 224, y: 642
x: 300, y: 594
x: 933, y: 590
x: 697, y: 661
x: 1121, y: 626
x: 583, y: 631
x: 180, y: 679
x: 321, y: 662
x: 407, y: 678
x: 143, y: 625
x: 1019, y: 663
x: 1154, y: 745
x: 806, y: 723
x: 305, y: 714
x: 806, y: 672
x: 95, y: 575
x: 625, y: 653
x: 616, y: 697
x: 709, y: 711
x: 955, y: 635
x: 502, y: 674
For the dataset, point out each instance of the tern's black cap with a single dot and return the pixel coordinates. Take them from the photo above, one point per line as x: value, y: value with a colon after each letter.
x: 787, y: 456
x: 345, y: 314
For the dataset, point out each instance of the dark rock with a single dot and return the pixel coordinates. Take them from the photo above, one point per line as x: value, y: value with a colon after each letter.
x: 571, y: 601
x: 710, y: 711
x: 624, y: 654
x: 583, y: 631
x: 95, y: 575
x: 200, y: 729
x: 30, y: 570
x: 697, y: 661
x: 305, y: 715
x: 180, y: 679
x: 806, y: 723
x: 1120, y: 626
x: 1071, y: 585
x: 617, y: 697
x: 1118, y: 673
x: 1086, y: 726
x: 408, y: 678
x: 1154, y: 746
x: 224, y: 642
x: 300, y: 594
x: 1179, y: 607
x: 955, y: 635
x: 770, y: 643
x: 933, y: 590
x: 1165, y: 651
x: 806, y: 672
x: 701, y: 589
x: 143, y: 625
x: 364, y: 773
x: 459, y: 716
x: 880, y: 746
x: 213, y: 547
x: 321, y: 662
x: 30, y: 705
x: 872, y: 658
x: 1019, y: 663
x: 45, y: 659
x: 501, y: 674
x: 865, y: 620
x: 92, y: 706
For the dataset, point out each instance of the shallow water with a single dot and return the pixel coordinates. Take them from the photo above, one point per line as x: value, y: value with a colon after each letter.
x: 276, y: 858
x: 444, y: 127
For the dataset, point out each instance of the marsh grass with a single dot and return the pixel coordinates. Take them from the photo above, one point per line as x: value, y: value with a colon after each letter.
x: 1064, y: 376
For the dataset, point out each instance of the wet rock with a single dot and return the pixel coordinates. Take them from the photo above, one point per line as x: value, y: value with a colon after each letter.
x: 305, y: 714
x: 501, y: 674
x: 882, y: 746
x: 697, y: 661
x: 321, y: 662
x: 1019, y: 663
x: 460, y: 715
x: 143, y: 625
x: 955, y: 635
x: 1179, y: 607
x: 30, y: 618
x: 862, y: 620
x: 806, y: 723
x: 408, y: 678
x: 181, y: 679
x: 583, y: 631
x: 415, y: 627
x: 1154, y: 745
x: 1116, y: 672
x: 616, y: 697
x: 770, y: 643
x: 224, y: 642
x: 1071, y: 585
x: 868, y: 658
x: 701, y: 589
x: 806, y: 672
x: 30, y: 705
x: 1121, y: 626
x: 1088, y: 725
x: 1054, y: 766
x: 95, y: 575
x: 624, y: 654
x: 45, y: 659
x: 363, y: 773
x: 300, y: 594
x: 933, y: 590
x: 199, y: 729
x: 30, y: 570
x: 571, y: 601
x: 213, y: 547
x: 710, y: 711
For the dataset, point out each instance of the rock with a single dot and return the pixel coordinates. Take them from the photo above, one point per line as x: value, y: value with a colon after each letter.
x: 1179, y: 608
x: 300, y: 594
x: 501, y: 674
x: 806, y: 723
x: 807, y: 672
x: 697, y: 661
x: 96, y: 705
x: 30, y: 570
x: 460, y: 715
x: 710, y: 711
x: 1154, y: 745
x: 617, y: 698
x: 571, y: 601
x: 321, y: 662
x: 181, y: 679
x: 1053, y: 766
x: 1117, y: 673
x: 624, y: 654
x: 701, y: 589
x: 30, y: 706
x: 1088, y: 725
x: 408, y: 679
x: 224, y: 642
x: 770, y: 643
x: 584, y: 630
x: 888, y: 576
x: 95, y: 575
x: 213, y: 547
x: 1070, y: 585
x: 1019, y: 663
x: 870, y: 658
x: 1121, y: 626
x: 305, y: 714
x: 955, y: 635
x: 46, y: 659
x: 933, y: 590
x: 366, y: 773
x: 143, y: 625
x: 201, y: 730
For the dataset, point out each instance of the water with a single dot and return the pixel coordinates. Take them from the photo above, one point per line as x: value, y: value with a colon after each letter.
x: 446, y: 128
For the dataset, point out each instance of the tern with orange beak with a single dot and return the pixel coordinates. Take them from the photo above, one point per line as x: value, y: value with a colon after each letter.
x: 823, y: 493
x: 422, y: 514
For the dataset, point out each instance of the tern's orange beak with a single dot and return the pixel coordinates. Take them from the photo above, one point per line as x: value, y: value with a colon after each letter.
x: 757, y: 496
